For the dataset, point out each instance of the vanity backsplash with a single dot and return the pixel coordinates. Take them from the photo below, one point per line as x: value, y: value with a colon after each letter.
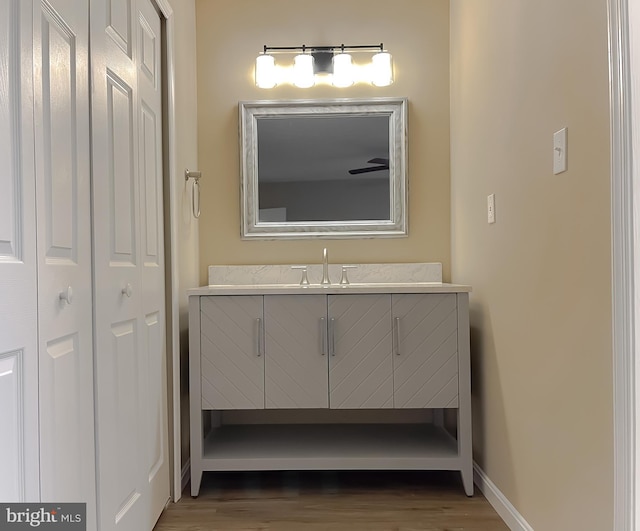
x: 224, y: 275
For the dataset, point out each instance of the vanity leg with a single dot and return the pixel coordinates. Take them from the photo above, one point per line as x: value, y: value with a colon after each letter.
x: 195, y: 413
x: 465, y: 450
x: 467, y: 480
x: 196, y: 479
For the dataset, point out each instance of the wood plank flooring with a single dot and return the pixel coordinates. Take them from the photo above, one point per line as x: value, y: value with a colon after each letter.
x: 331, y: 501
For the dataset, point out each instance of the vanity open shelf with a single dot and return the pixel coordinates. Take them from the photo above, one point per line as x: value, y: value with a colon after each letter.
x: 366, y: 373
x: 330, y: 447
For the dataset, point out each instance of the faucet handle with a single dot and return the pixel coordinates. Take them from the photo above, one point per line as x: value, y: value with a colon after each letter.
x: 304, y: 280
x: 344, y: 281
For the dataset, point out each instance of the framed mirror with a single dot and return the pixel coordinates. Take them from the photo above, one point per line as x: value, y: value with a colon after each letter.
x: 324, y: 168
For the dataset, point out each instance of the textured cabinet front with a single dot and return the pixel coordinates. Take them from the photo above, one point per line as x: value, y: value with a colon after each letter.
x: 296, y: 351
x: 232, y: 361
x: 360, y: 365
x: 325, y: 353
x: 426, y: 351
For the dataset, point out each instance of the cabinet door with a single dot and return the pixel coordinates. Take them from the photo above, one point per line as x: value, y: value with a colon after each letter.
x: 360, y: 361
x: 426, y: 351
x: 296, y: 351
x: 232, y: 352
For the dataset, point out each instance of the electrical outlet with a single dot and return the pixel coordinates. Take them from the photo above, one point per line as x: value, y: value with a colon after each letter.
x: 491, y: 208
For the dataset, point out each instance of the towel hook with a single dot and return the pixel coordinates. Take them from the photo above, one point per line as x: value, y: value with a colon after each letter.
x: 195, y: 190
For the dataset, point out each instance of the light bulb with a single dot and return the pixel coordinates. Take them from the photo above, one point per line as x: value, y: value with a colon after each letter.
x: 303, y: 71
x: 342, y: 70
x: 382, y: 71
x: 265, y: 71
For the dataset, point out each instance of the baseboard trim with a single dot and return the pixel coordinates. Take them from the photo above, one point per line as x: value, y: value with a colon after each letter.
x: 499, y: 501
x: 186, y: 474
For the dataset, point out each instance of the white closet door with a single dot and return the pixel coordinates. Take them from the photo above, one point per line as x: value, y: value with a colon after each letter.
x: 156, y: 441
x: 61, y: 97
x: 19, y: 459
x: 129, y: 307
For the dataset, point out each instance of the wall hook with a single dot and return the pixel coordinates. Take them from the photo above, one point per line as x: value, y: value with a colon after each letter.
x: 195, y: 190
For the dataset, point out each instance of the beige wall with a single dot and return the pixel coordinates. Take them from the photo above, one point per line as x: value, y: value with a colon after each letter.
x: 186, y: 157
x: 541, y: 306
x: 230, y: 35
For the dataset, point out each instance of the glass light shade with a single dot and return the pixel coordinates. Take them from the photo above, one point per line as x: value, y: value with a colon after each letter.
x: 382, y: 70
x: 303, y: 71
x: 265, y: 71
x: 342, y: 70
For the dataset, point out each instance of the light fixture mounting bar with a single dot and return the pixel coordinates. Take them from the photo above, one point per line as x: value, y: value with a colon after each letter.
x: 341, y: 47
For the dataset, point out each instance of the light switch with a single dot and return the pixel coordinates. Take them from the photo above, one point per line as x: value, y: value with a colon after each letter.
x: 491, y: 208
x: 560, y: 151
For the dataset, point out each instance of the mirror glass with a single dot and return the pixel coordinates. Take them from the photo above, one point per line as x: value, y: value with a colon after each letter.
x: 330, y: 169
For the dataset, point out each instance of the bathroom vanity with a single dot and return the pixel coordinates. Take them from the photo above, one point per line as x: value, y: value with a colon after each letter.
x: 315, y: 368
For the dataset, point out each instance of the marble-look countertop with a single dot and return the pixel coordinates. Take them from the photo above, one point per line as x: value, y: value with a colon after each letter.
x: 333, y: 289
x: 254, y: 275
x: 364, y: 278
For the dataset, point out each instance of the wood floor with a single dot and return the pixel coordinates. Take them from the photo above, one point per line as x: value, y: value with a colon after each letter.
x: 331, y: 501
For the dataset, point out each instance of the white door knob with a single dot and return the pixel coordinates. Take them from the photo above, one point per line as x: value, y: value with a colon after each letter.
x: 127, y: 290
x: 66, y: 295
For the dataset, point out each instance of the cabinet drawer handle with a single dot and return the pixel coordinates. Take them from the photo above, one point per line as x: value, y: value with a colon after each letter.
x: 396, y: 335
x: 323, y: 336
x: 332, y: 336
x: 260, y: 339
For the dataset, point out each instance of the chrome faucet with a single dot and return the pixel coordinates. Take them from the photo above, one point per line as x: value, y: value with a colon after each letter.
x: 325, y: 268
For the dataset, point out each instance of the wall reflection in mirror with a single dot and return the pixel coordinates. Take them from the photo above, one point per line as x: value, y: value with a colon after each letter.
x: 324, y: 168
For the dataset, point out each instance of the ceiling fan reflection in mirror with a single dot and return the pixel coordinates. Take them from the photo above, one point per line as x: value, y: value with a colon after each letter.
x: 380, y: 164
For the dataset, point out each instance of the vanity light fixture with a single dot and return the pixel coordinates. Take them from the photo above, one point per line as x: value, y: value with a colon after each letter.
x: 342, y: 70
x: 266, y: 71
x: 310, y: 62
x: 303, y: 70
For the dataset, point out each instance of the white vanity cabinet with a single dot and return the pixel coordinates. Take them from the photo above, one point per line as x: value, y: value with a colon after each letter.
x: 324, y: 350
x: 296, y: 351
x: 426, y: 355
x: 230, y: 358
x: 360, y: 360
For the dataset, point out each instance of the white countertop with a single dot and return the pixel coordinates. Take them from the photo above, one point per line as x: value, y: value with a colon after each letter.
x: 333, y: 289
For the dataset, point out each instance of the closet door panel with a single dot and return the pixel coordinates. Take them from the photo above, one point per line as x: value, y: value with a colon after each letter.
x: 150, y: 176
x: 11, y: 416
x: 62, y: 418
x: 12, y: 207
x: 61, y: 102
x: 120, y: 369
x: 133, y: 486
x: 123, y: 436
x: 121, y: 177
x: 118, y: 24
x: 19, y: 451
x: 57, y: 99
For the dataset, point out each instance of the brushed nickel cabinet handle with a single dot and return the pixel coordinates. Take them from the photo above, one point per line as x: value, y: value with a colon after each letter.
x: 260, y: 338
x: 396, y: 336
x: 332, y: 338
